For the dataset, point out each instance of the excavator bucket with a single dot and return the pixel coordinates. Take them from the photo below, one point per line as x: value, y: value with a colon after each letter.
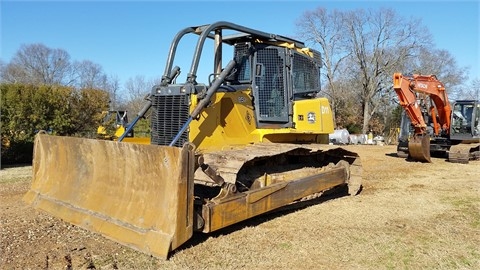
x: 419, y: 148
x: 138, y: 195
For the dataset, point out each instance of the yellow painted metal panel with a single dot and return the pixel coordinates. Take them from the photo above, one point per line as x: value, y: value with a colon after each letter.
x: 255, y: 202
x: 313, y: 115
x: 230, y: 120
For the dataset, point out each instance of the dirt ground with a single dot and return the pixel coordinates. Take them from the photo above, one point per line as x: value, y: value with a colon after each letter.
x: 409, y: 215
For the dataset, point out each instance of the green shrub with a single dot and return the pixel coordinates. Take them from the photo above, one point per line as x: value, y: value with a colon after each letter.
x: 59, y: 110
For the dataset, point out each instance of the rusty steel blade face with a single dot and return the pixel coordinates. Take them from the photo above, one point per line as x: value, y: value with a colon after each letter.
x: 137, y: 195
x: 419, y: 148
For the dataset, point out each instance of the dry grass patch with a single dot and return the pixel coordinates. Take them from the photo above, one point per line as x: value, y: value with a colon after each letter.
x: 409, y: 215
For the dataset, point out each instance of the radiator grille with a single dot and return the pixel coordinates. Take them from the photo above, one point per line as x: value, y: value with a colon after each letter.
x: 169, y: 114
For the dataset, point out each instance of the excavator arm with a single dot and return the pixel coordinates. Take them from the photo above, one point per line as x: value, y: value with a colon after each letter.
x: 408, y: 88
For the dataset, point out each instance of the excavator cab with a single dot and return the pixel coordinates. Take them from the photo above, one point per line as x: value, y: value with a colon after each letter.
x: 465, y: 131
x: 465, y: 120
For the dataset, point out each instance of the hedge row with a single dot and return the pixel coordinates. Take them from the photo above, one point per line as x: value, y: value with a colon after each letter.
x: 59, y: 110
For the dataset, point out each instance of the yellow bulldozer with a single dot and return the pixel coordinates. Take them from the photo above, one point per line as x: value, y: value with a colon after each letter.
x: 251, y: 139
x: 114, y: 124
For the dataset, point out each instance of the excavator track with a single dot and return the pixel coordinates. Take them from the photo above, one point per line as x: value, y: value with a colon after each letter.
x: 463, y: 153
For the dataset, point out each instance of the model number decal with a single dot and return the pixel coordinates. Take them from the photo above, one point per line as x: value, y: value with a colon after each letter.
x: 325, y: 109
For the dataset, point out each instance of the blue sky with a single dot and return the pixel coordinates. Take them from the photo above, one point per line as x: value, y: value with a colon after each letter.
x: 130, y: 38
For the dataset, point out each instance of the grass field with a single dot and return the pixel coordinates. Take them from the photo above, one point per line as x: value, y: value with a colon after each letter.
x: 409, y: 215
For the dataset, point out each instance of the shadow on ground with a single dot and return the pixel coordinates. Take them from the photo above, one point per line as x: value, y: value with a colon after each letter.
x: 199, y: 237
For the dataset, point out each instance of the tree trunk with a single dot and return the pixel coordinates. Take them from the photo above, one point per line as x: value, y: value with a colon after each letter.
x: 366, y: 117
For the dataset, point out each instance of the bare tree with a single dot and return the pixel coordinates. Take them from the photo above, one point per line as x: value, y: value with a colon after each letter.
x: 442, y: 64
x: 38, y: 64
x: 10, y: 73
x: 3, y: 68
x: 113, y: 89
x: 137, y: 88
x: 475, y: 89
x: 361, y: 50
x: 90, y: 75
x: 380, y: 42
x: 471, y: 91
x: 327, y: 31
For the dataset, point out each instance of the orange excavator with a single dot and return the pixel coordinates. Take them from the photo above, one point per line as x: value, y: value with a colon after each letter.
x: 438, y: 127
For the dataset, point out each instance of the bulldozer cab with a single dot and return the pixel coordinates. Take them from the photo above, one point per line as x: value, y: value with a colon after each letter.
x: 273, y: 85
x: 275, y: 68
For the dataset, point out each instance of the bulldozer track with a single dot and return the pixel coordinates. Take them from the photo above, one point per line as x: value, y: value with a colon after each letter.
x: 281, y: 162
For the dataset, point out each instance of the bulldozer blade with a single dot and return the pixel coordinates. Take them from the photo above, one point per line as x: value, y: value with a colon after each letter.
x: 140, y: 196
x: 419, y: 148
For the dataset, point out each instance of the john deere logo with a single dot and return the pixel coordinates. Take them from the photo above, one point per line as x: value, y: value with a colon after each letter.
x: 311, y: 117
